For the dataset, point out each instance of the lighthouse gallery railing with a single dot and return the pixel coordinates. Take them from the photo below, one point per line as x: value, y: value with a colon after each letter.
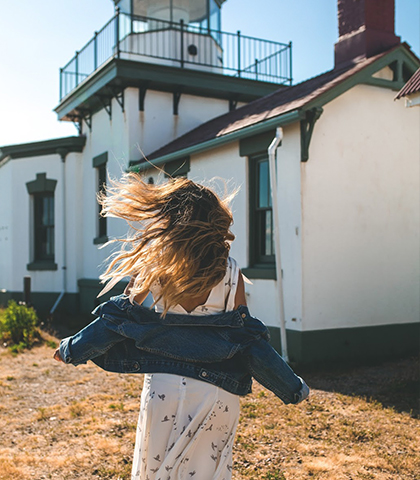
x: 177, y: 44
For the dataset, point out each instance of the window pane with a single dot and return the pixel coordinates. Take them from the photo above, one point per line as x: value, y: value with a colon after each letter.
x: 44, y: 227
x: 102, y: 221
x: 264, y: 197
x: 262, y: 242
x: 269, y: 233
x: 49, y: 247
x: 215, y: 20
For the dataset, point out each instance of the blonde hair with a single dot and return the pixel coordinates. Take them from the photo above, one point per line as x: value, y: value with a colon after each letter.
x: 181, y: 241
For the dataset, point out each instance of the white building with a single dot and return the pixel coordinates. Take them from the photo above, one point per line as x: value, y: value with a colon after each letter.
x: 347, y: 172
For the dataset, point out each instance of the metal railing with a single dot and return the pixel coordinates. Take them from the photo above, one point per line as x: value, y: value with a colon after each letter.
x: 177, y: 44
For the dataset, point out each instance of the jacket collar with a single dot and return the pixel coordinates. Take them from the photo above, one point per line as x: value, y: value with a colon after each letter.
x: 143, y: 315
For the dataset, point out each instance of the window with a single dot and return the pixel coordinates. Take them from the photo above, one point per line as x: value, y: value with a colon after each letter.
x: 43, y: 223
x: 261, y: 235
x: 44, y: 227
x: 102, y: 226
x: 261, y: 225
x: 99, y: 163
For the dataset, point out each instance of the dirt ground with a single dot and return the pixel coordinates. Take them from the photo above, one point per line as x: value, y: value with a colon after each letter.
x: 62, y: 422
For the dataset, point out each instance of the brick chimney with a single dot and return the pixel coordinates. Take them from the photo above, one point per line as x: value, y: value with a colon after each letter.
x: 366, y: 28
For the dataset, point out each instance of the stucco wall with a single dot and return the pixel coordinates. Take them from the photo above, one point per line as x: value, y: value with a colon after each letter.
x: 74, y: 226
x: 263, y: 295
x: 290, y: 222
x: 23, y: 171
x: 157, y: 125
x: 360, y: 197
x: 121, y: 137
x: 225, y: 162
x: 6, y: 225
x: 222, y: 168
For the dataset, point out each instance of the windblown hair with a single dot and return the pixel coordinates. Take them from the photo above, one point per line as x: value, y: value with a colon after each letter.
x: 181, y: 236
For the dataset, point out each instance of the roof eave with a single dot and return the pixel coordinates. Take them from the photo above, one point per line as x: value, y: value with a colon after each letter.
x: 278, y: 121
x: 45, y: 147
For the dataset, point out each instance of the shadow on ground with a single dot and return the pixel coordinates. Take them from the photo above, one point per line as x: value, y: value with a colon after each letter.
x: 394, y: 384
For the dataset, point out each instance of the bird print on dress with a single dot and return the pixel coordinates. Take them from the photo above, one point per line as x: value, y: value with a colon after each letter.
x: 171, y: 420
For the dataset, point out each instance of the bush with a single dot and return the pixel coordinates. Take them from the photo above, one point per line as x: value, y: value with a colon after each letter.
x: 18, y: 325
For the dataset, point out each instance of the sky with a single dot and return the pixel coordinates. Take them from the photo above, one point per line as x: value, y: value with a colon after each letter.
x: 37, y: 38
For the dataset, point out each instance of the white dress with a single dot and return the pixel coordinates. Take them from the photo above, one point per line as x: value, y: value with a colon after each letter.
x: 186, y: 427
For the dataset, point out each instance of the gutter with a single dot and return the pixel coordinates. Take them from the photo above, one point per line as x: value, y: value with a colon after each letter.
x: 287, y: 118
x: 272, y: 150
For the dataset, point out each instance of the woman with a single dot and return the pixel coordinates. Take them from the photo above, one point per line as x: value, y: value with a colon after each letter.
x: 180, y: 253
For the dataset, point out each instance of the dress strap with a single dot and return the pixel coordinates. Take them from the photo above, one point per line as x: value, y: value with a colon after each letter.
x: 231, y: 284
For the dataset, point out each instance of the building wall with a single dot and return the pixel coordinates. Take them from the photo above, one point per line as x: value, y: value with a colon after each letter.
x: 124, y: 137
x: 226, y: 164
x: 6, y: 226
x: 263, y: 294
x: 361, y: 214
x: 74, y: 227
x: 18, y: 220
x: 157, y: 125
x: 290, y: 222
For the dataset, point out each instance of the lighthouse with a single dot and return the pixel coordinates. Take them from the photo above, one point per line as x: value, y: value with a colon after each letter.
x: 174, y: 50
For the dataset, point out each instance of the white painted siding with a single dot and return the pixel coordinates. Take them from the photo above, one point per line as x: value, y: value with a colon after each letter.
x: 225, y: 162
x: 25, y: 170
x: 7, y: 214
x: 74, y: 226
x: 361, y: 213
x: 121, y: 137
x: 157, y: 125
x: 289, y: 195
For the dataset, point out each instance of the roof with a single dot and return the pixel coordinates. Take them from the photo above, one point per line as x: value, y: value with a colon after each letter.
x: 281, y: 104
x: 412, y: 86
x: 44, y: 147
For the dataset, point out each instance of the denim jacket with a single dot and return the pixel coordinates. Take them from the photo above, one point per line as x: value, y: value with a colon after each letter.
x: 225, y: 349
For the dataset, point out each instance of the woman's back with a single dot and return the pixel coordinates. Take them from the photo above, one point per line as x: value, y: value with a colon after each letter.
x: 219, y: 299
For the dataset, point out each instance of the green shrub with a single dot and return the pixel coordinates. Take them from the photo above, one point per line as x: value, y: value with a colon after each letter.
x: 18, y: 325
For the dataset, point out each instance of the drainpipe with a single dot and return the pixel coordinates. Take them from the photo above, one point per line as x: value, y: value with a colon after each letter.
x: 63, y: 153
x: 272, y: 149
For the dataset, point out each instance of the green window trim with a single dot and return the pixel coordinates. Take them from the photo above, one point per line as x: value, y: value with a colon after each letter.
x: 256, y: 144
x: 261, y: 241
x: 99, y: 164
x: 100, y: 240
x: 41, y: 265
x: 43, y: 225
x: 266, y: 273
x: 177, y: 168
x: 42, y: 184
x: 100, y: 160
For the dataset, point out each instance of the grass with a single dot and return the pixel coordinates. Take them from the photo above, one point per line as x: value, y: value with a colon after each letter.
x: 60, y: 422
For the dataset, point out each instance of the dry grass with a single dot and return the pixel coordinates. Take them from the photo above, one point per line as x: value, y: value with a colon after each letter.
x: 79, y: 423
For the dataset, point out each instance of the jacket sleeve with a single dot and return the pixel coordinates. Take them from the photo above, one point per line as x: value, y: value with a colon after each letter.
x: 269, y: 369
x: 94, y: 340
